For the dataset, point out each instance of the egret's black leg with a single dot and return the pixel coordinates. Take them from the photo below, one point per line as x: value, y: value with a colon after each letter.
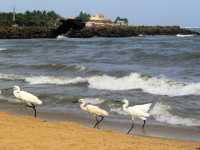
x: 97, y: 122
x: 144, y: 124
x: 132, y: 126
x: 35, y: 111
x: 102, y: 117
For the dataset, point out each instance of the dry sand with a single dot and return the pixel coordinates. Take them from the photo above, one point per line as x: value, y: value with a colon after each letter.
x: 28, y: 133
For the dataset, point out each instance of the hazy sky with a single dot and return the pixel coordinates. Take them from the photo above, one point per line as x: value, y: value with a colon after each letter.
x: 148, y: 12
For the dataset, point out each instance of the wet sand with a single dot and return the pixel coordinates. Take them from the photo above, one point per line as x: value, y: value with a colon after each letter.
x: 113, y: 123
x: 20, y: 132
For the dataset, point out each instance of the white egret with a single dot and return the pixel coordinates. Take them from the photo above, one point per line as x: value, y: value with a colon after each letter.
x: 29, y: 99
x: 137, y: 111
x: 94, y: 110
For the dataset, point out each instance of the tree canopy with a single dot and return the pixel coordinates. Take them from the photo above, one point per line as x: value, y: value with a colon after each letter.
x: 83, y: 16
x: 30, y: 18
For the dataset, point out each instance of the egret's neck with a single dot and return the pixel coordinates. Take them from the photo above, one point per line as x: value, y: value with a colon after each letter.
x: 83, y: 105
x: 125, y: 106
x: 16, y: 91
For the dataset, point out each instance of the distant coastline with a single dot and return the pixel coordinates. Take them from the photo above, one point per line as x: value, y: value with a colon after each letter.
x: 128, y: 31
x: 44, y: 24
x: 43, y: 32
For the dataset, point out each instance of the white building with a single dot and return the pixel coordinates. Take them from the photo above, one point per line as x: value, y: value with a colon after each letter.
x: 98, y: 20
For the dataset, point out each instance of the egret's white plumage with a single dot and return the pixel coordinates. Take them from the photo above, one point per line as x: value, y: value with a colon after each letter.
x: 26, y: 97
x: 137, y: 111
x: 29, y: 99
x: 95, y: 110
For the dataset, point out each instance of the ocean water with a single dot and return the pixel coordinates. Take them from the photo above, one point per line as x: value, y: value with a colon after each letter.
x: 163, y: 70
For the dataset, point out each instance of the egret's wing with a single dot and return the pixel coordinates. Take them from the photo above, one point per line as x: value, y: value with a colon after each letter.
x: 28, y: 97
x: 96, y: 110
x: 144, y: 108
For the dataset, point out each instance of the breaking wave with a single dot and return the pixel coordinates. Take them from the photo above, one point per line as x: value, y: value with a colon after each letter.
x: 54, y: 80
x: 185, y: 35
x: 61, y: 37
x: 153, y: 85
x: 3, y: 49
x: 162, y: 113
x: 134, y: 81
x: 11, y: 77
x: 94, y: 100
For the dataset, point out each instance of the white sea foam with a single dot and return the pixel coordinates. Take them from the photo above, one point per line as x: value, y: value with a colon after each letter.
x: 94, y: 100
x: 54, y: 80
x: 11, y: 77
x: 3, y: 49
x: 80, y: 68
x: 162, y: 113
x: 153, y: 85
x: 61, y: 37
x: 185, y: 35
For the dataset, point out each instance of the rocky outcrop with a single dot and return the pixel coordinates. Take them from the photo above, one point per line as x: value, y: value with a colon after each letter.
x: 75, y: 30
x: 25, y: 32
x: 127, y: 31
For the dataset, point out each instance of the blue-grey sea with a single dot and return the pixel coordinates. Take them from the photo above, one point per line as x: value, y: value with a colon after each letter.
x: 163, y: 70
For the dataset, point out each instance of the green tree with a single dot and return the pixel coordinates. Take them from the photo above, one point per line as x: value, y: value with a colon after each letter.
x: 31, y: 18
x: 83, y: 16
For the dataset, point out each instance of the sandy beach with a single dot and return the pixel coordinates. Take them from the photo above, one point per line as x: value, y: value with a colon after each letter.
x: 24, y: 132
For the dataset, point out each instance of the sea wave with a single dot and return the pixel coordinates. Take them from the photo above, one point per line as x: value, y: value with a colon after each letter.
x: 185, y: 35
x: 53, y: 67
x: 54, y: 80
x: 61, y: 37
x: 3, y: 49
x: 11, y: 77
x: 92, y: 100
x: 133, y: 81
x: 60, y: 66
x: 153, y: 85
x: 118, y: 110
x: 162, y: 113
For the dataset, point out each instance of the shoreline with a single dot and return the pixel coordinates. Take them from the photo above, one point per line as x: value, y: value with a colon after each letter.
x: 111, y: 123
x: 31, y: 32
x: 26, y: 132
